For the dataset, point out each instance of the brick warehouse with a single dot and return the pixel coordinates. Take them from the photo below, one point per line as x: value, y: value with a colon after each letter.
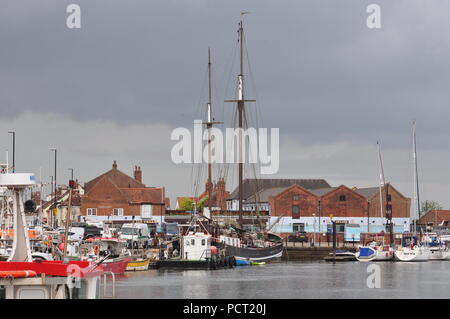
x: 300, y: 209
x: 117, y: 196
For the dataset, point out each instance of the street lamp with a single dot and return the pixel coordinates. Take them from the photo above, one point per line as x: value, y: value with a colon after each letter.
x: 54, y: 179
x: 50, y: 222
x: 14, y: 149
x: 314, y: 241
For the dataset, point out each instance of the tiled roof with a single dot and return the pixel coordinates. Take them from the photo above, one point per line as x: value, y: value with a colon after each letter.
x: 435, y: 216
x: 322, y: 191
x: 251, y: 186
x: 121, y: 180
x: 263, y: 195
x: 367, y: 192
x: 144, y: 195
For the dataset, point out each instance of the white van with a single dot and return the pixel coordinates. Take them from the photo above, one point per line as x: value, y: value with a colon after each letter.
x: 137, y: 235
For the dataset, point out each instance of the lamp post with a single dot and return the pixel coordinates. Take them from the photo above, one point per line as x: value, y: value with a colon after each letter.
x: 314, y: 240
x: 54, y: 180
x: 14, y: 149
x: 50, y: 221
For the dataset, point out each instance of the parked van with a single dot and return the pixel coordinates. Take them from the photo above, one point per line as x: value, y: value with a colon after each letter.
x: 137, y: 235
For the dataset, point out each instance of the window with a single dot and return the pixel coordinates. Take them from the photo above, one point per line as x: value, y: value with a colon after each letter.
x: 389, y: 198
x: 295, y: 197
x: 146, y: 211
x: 92, y: 211
x: 342, y: 198
x: 295, y: 211
x: 203, y: 242
x: 298, y: 227
x: 117, y: 211
x: 193, y: 242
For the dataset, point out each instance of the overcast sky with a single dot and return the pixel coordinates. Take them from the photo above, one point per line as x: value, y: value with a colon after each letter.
x: 115, y: 89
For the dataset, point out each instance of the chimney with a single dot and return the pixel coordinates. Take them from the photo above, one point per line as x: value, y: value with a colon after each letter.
x: 114, y: 165
x: 138, y: 174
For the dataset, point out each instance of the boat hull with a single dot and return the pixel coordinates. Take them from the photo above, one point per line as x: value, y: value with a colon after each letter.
x: 116, y: 265
x: 138, y: 265
x: 439, y: 254
x: 366, y: 254
x: 415, y: 254
x: 255, y: 254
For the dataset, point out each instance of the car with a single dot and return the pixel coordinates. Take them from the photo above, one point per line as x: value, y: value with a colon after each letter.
x: 298, y: 237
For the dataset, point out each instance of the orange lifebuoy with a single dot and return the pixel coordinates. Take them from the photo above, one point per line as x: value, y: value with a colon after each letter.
x: 17, y: 273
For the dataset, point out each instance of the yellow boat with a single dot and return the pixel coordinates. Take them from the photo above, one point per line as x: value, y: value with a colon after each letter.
x: 138, y: 264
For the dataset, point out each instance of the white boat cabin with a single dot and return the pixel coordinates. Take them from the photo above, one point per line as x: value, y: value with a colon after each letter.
x: 196, y: 246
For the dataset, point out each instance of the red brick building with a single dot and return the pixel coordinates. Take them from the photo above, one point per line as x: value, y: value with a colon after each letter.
x: 298, y: 209
x: 436, y: 218
x: 119, y: 197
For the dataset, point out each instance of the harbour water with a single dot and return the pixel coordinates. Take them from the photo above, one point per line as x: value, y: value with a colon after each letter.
x: 291, y: 280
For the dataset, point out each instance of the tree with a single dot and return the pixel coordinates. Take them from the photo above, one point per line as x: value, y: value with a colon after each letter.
x: 428, y: 205
x: 185, y: 204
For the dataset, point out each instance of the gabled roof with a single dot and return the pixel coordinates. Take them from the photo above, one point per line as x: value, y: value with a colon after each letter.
x: 334, y: 189
x: 251, y: 186
x: 367, y: 192
x: 144, y: 195
x: 370, y: 192
x: 435, y: 216
x: 263, y: 195
x: 322, y: 191
x: 121, y: 180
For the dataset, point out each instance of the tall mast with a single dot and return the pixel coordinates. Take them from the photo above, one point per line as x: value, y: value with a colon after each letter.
x: 382, y: 180
x: 241, y: 113
x: 241, y: 106
x: 416, y: 179
x: 209, y: 124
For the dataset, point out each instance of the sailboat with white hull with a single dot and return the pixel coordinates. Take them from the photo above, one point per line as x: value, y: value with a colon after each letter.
x: 378, y: 251
x: 414, y: 250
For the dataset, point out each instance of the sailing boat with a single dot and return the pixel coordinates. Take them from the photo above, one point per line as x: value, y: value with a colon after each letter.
x: 414, y: 251
x: 248, y: 246
x: 377, y: 251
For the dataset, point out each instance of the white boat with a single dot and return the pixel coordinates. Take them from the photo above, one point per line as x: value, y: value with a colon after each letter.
x: 439, y: 253
x: 415, y: 253
x: 375, y: 253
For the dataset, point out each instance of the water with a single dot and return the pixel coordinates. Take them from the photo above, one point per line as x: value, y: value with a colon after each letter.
x: 291, y: 280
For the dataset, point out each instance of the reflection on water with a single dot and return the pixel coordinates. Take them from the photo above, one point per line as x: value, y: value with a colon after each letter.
x: 291, y: 280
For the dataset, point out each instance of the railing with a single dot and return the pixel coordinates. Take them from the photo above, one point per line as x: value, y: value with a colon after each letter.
x: 113, y: 285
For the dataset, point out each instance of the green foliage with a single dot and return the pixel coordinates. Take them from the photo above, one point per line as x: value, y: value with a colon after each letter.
x: 185, y: 204
x: 202, y: 203
x: 428, y: 205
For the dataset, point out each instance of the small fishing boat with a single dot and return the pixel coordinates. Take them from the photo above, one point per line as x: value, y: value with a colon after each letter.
x: 138, y: 264
x: 240, y: 262
x: 256, y: 263
x: 374, y: 252
x: 110, y: 252
x: 341, y: 255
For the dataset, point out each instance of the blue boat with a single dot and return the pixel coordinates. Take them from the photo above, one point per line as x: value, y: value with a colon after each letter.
x: 242, y: 262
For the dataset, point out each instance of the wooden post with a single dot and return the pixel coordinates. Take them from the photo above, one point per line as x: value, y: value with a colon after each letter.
x: 334, y: 239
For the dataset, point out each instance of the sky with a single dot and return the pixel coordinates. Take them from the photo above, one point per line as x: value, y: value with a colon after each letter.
x: 116, y: 88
